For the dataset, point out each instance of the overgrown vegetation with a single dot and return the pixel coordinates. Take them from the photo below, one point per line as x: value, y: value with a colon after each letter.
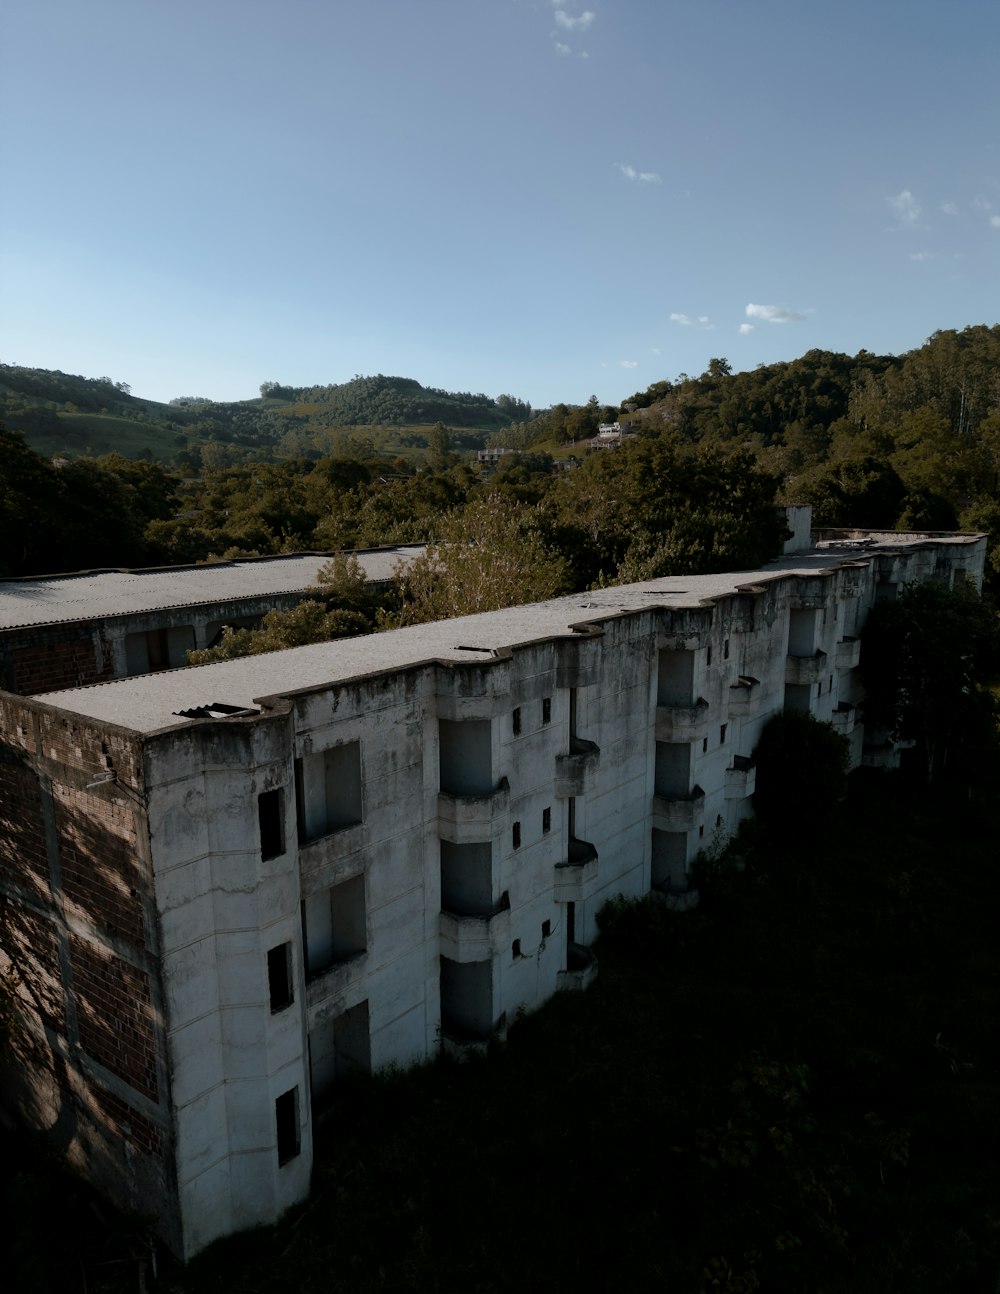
x: 874, y: 441
x: 924, y: 663
x: 796, y: 1088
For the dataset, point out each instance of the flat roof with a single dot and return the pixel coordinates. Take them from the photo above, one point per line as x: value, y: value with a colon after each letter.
x: 151, y: 702
x: 98, y: 595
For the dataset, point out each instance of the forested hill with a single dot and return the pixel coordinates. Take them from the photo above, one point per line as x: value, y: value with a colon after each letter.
x: 63, y: 414
x: 909, y: 441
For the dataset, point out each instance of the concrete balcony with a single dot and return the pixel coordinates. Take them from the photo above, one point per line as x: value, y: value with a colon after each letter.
x: 744, y: 697
x: 334, y: 982
x: 844, y: 718
x: 682, y: 723
x: 576, y: 878
x: 674, y: 899
x: 333, y: 851
x: 679, y: 813
x: 578, y: 659
x: 467, y: 819
x: 741, y: 779
x: 805, y: 669
x: 475, y: 938
x: 848, y: 653
x: 581, y: 969
x: 575, y: 771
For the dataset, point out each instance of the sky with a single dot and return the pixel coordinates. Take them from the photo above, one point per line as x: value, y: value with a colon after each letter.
x: 546, y: 198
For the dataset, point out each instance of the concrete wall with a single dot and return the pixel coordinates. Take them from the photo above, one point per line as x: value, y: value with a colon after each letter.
x: 252, y: 910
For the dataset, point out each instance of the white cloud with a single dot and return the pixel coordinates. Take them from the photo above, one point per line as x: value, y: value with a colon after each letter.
x: 574, y: 22
x: 995, y: 221
x: 920, y: 256
x: 691, y: 321
x: 630, y: 363
x: 982, y: 204
x: 906, y: 207
x: 950, y: 208
x: 643, y: 177
x: 656, y: 350
x: 563, y: 51
x: 744, y: 329
x: 773, y: 314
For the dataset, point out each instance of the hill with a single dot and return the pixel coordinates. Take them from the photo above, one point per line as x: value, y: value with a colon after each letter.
x: 63, y: 414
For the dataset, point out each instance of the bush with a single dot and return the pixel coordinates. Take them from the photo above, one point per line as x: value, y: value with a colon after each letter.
x: 801, y: 774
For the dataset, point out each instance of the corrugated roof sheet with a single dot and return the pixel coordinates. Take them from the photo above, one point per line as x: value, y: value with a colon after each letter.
x: 150, y: 702
x: 96, y: 595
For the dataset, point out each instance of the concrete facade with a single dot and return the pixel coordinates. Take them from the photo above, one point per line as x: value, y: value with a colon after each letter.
x: 365, y: 851
x: 65, y: 631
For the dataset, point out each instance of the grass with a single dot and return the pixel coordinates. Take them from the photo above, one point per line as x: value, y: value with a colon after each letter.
x: 82, y: 433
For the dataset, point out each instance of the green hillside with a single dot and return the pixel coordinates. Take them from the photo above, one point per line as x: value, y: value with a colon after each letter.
x: 62, y: 414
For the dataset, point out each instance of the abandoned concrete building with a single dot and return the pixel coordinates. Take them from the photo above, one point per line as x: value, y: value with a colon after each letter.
x: 226, y: 887
x: 69, y: 630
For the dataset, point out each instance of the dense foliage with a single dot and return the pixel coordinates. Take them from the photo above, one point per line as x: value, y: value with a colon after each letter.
x: 801, y: 774
x: 871, y: 441
x: 926, y: 661
x: 795, y: 1088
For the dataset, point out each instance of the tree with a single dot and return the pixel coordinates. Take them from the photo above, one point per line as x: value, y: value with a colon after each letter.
x: 801, y: 773
x: 309, y: 622
x: 490, y: 555
x: 925, y: 658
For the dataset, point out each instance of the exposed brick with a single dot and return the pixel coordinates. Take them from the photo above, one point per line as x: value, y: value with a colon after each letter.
x: 23, y: 858
x: 134, y: 1127
x: 114, y: 1014
x: 45, y: 658
x: 98, y: 861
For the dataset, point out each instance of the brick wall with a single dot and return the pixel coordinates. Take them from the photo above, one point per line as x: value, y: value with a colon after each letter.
x: 114, y: 1014
x: 47, y: 658
x: 24, y: 863
x: 75, y: 891
x: 99, y: 862
x: 129, y: 1124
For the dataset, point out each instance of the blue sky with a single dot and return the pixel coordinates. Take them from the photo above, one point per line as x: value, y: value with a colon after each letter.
x: 547, y: 199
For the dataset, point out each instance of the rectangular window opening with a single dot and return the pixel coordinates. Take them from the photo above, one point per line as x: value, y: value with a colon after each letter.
x: 516, y: 721
x: 546, y: 709
x: 722, y: 733
x: 725, y: 650
x: 286, y: 1120
x: 271, y: 818
x: 546, y: 929
x: 328, y: 791
x: 546, y: 820
x: 279, y: 977
x: 334, y: 925
x: 516, y: 835
x: 515, y: 949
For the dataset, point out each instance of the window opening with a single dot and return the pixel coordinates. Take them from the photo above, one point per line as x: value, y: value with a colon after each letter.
x: 546, y: 820
x: 516, y: 721
x: 286, y: 1119
x: 546, y: 709
x: 279, y: 977
x: 516, y: 835
x: 271, y: 818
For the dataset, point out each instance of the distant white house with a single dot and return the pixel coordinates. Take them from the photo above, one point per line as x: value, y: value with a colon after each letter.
x: 612, y: 433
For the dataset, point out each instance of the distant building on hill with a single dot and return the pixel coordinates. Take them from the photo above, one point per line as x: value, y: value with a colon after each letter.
x: 612, y: 434
x: 228, y: 887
